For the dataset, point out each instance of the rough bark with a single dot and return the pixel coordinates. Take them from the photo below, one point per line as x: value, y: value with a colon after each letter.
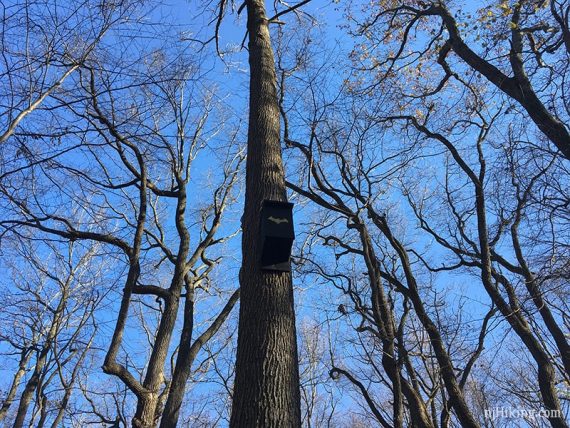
x: 266, y: 391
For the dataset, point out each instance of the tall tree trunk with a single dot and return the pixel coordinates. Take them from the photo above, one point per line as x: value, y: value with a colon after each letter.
x: 266, y: 391
x: 24, y: 358
x: 30, y: 388
x: 147, y: 413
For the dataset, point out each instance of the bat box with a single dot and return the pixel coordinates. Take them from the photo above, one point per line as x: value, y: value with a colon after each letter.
x: 277, y: 235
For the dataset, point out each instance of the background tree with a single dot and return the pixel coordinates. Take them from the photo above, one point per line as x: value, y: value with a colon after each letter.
x: 132, y: 137
x: 366, y: 149
x: 517, y: 46
x: 43, y: 45
x: 49, y: 324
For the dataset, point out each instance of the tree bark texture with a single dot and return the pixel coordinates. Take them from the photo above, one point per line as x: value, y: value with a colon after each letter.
x: 266, y: 391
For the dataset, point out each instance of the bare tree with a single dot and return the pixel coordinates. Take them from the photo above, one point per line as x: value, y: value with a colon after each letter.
x: 50, y: 324
x: 44, y: 44
x: 353, y: 167
x: 130, y: 189
x: 514, y: 45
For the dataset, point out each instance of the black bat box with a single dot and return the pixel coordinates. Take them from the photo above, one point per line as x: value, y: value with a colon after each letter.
x: 277, y: 235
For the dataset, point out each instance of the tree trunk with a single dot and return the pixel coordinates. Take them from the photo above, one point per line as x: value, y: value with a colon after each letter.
x: 30, y: 388
x: 145, y: 416
x: 24, y: 358
x: 183, y: 365
x: 384, y: 318
x: 266, y: 391
x: 35, y: 380
x: 456, y: 397
x: 187, y: 353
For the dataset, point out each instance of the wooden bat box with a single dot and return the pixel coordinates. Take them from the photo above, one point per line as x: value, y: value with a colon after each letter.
x: 277, y: 235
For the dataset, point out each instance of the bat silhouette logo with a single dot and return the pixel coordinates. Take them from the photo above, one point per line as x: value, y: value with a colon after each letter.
x: 278, y: 220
